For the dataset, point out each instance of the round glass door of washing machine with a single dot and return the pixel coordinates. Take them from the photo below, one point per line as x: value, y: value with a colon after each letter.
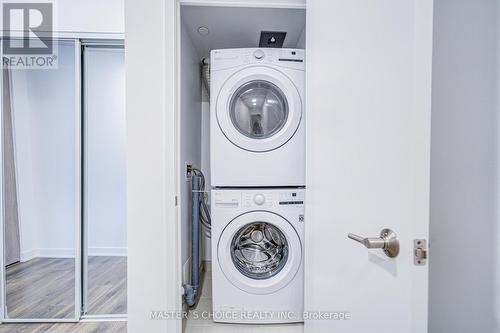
x: 259, y: 109
x: 259, y: 252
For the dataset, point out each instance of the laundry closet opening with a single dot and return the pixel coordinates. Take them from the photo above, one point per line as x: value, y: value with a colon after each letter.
x: 202, y: 30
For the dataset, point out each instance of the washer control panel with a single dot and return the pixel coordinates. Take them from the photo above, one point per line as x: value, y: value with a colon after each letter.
x: 258, y: 199
x: 262, y: 199
x: 292, y: 198
x: 268, y: 199
x: 227, y: 199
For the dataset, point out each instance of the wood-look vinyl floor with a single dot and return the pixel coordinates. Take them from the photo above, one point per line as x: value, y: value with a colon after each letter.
x: 41, y: 288
x: 45, y: 287
x: 85, y: 327
x: 107, y: 285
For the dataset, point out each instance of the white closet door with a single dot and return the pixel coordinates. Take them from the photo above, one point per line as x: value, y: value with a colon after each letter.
x: 368, y: 147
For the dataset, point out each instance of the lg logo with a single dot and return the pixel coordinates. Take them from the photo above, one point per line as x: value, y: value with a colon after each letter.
x: 34, y: 21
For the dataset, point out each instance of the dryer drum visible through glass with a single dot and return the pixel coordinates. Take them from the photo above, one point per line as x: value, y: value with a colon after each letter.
x: 259, y: 250
x: 258, y: 109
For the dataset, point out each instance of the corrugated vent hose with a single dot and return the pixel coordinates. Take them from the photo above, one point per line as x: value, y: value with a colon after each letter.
x: 205, y: 74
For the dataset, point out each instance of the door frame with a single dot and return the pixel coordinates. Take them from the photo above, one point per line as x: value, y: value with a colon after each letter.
x: 154, y: 291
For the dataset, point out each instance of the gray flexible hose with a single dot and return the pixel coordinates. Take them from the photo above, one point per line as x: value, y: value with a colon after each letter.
x: 205, y: 217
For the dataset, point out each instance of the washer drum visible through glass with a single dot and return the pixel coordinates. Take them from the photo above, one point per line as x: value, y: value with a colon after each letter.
x: 259, y: 250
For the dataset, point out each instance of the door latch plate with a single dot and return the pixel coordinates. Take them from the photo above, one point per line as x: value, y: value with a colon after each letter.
x: 420, y: 252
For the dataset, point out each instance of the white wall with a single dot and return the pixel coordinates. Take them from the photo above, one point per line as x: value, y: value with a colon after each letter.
x: 45, y: 144
x: 465, y: 230
x: 248, y: 3
x: 190, y: 138
x: 91, y: 16
x: 77, y: 18
x: 105, y: 151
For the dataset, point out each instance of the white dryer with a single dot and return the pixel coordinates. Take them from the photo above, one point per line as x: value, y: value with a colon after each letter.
x: 257, y: 118
x: 257, y: 251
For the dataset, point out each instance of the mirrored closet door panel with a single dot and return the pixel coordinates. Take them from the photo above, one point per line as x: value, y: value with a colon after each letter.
x: 41, y: 188
x: 104, y: 185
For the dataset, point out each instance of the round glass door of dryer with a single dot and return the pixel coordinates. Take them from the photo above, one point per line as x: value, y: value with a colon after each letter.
x: 259, y: 252
x: 259, y: 109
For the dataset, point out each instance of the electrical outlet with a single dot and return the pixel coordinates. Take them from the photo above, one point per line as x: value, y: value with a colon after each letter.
x: 189, y: 171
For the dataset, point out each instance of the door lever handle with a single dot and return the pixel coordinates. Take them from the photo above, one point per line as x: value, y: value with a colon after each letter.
x: 387, y: 241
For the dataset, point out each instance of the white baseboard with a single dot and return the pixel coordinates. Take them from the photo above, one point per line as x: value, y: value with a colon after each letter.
x: 27, y: 255
x: 55, y: 253
x: 108, y: 251
x: 70, y: 252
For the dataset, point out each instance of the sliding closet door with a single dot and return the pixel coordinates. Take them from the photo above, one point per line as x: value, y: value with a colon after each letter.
x: 105, y: 231
x: 41, y: 188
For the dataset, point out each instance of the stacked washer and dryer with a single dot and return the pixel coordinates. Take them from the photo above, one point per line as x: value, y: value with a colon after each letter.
x: 257, y: 147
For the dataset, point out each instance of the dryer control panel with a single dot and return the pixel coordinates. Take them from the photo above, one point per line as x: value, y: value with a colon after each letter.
x: 230, y: 58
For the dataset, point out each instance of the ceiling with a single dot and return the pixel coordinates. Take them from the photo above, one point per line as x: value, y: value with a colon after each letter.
x: 236, y: 27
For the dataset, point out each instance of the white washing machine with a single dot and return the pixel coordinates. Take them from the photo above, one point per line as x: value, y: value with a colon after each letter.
x: 257, y: 118
x: 257, y: 253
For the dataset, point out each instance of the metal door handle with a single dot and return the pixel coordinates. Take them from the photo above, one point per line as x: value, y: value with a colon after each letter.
x: 387, y: 241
